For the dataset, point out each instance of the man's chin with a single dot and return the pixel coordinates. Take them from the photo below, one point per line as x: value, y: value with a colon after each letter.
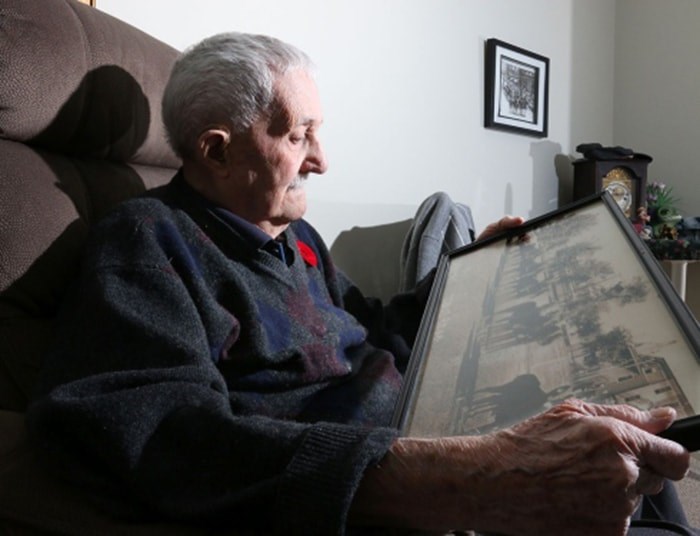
x: 296, y: 206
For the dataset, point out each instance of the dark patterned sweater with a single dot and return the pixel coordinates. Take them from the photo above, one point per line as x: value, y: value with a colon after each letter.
x: 197, y: 378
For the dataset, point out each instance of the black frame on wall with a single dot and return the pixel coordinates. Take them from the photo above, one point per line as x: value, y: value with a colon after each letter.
x: 516, y: 89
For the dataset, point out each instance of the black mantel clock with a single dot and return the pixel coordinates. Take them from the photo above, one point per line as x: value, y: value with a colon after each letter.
x: 624, y: 178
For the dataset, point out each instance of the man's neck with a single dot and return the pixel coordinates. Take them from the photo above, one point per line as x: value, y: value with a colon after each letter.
x: 208, y: 189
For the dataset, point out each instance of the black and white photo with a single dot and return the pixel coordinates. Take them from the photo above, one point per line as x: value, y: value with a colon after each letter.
x: 572, y: 305
x: 516, y: 89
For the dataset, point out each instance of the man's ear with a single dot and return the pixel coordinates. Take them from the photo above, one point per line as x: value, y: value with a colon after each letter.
x: 212, y: 146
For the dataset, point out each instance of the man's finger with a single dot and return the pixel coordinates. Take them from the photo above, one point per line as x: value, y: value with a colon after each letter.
x: 654, y: 420
x: 662, y: 456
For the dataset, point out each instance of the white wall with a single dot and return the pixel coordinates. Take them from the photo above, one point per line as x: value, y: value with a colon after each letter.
x: 657, y: 90
x: 402, y: 87
x: 657, y: 97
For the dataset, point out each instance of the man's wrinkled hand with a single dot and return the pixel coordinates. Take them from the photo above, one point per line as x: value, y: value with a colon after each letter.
x: 582, y: 468
x: 577, y: 469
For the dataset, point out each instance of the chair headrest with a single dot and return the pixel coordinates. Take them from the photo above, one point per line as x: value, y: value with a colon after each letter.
x: 78, y: 81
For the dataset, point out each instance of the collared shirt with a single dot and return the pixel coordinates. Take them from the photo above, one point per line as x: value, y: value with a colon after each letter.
x: 252, y: 234
x: 255, y: 236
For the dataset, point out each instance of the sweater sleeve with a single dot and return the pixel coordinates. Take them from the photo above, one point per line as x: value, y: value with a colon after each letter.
x: 132, y: 408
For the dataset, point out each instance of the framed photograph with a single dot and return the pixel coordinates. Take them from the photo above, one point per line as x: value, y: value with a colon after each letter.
x: 516, y: 89
x: 571, y: 305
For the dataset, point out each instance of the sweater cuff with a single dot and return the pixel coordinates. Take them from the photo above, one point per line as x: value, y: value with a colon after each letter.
x: 319, y: 484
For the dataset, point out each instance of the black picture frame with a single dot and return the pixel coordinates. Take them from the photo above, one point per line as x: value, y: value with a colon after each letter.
x: 572, y: 304
x: 516, y: 89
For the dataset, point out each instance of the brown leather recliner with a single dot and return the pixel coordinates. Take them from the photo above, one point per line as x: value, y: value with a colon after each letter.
x: 80, y: 130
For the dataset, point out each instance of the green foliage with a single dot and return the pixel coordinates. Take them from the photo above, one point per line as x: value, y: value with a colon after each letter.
x: 659, y: 195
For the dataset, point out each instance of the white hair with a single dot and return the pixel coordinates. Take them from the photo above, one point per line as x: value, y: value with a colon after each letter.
x: 227, y: 78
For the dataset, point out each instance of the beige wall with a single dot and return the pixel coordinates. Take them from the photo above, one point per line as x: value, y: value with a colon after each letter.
x: 657, y: 97
x: 402, y: 87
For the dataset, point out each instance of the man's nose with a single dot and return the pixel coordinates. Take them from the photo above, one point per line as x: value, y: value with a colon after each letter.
x: 315, y: 161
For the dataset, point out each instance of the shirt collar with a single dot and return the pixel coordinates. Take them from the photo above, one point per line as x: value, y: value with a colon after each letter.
x: 253, y: 235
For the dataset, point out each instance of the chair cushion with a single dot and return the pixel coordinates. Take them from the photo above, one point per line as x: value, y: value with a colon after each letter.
x: 80, y: 130
x: 76, y: 80
x: 47, y: 204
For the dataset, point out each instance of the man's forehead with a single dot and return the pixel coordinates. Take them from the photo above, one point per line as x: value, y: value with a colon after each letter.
x: 297, y: 102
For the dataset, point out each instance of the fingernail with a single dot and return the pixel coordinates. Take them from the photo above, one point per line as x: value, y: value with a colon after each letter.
x: 662, y: 414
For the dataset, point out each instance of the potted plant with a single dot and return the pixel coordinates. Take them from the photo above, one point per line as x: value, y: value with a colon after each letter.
x: 661, y: 207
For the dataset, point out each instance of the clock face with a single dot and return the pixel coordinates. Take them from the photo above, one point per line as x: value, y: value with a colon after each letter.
x: 624, y: 180
x: 618, y: 183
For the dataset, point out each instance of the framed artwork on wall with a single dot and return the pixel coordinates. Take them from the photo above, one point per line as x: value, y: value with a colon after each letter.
x: 571, y: 305
x: 516, y: 89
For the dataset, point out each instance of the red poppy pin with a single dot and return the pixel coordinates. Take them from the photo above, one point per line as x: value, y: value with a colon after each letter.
x: 307, y: 254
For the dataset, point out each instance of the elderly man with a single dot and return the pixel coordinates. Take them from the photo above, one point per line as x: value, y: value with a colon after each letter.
x: 214, y: 367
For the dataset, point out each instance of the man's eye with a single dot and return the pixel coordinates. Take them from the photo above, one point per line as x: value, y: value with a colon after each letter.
x: 303, y: 137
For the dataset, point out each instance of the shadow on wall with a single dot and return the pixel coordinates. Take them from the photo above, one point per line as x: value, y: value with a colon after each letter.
x: 545, y: 186
x: 508, y: 205
x: 565, y: 172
